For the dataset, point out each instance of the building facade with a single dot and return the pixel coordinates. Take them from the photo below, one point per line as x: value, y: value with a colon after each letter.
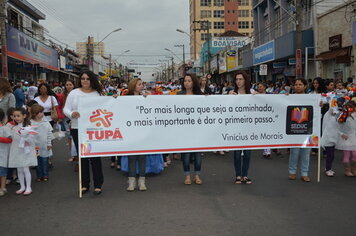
x: 274, y: 42
x: 97, y: 48
x: 336, y: 51
x: 210, y: 18
x: 28, y: 54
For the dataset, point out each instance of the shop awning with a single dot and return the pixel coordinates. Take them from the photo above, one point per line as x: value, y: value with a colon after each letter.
x: 343, y: 55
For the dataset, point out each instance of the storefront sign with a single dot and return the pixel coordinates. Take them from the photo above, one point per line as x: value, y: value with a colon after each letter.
x: 24, y: 48
x: 263, y: 69
x: 264, y: 53
x: 335, y: 42
x: 277, y: 65
x: 222, y: 42
x: 222, y: 62
x: 131, y: 125
x: 292, y: 61
x: 231, y: 60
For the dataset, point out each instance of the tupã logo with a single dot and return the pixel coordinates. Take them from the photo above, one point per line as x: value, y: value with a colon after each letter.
x: 101, y: 118
x: 300, y: 115
x: 299, y: 120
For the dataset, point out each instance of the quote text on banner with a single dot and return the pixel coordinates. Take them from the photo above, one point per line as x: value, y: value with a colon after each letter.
x: 131, y: 125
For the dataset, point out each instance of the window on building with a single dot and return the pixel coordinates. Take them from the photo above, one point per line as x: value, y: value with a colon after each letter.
x: 205, y: 14
x: 205, y: 3
x: 218, y: 13
x: 233, y: 11
x: 233, y: 22
x: 228, y: 22
x: 251, y: 24
x: 243, y: 2
x: 219, y: 25
x: 218, y: 3
x: 244, y: 13
x: 205, y: 25
x: 243, y: 24
x: 204, y: 36
x: 228, y: 11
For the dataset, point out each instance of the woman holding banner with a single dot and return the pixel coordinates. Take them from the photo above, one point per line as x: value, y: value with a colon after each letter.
x: 242, y: 86
x: 89, y: 86
x: 191, y: 87
x: 135, y: 88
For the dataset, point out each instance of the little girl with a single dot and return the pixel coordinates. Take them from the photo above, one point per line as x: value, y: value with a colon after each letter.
x: 22, y: 154
x: 4, y: 152
x: 43, y: 142
x: 347, y: 138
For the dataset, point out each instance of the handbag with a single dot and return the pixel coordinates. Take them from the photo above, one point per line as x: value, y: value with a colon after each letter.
x: 54, y: 113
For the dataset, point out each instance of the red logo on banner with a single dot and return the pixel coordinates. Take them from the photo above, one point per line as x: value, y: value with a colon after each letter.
x: 300, y: 116
x: 102, y: 118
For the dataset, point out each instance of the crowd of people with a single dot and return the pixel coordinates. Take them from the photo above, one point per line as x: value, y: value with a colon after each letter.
x: 32, y: 115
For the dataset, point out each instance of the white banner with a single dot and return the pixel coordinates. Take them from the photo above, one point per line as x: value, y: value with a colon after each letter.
x: 132, y: 125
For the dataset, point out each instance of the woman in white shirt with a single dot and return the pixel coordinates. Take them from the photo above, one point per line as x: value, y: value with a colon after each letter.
x: 47, y: 101
x: 89, y: 86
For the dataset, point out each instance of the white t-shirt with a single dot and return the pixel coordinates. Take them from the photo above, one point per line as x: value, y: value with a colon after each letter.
x: 72, y: 104
x: 47, y: 105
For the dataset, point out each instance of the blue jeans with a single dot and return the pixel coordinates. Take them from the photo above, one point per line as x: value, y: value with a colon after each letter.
x: 186, y: 162
x: 242, y: 170
x: 304, y: 155
x: 42, y: 168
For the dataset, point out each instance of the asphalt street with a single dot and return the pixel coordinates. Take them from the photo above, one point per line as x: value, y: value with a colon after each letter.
x: 272, y: 205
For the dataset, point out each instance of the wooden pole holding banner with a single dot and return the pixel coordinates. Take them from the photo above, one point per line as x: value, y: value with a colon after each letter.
x: 80, y: 176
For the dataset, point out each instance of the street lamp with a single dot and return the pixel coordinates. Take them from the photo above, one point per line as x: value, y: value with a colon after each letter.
x: 182, y: 31
x: 115, y: 30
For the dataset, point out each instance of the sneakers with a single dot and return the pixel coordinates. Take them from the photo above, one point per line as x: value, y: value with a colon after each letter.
x: 142, y: 184
x: 330, y: 173
x: 132, y: 184
x: 2, y: 192
x: 187, y: 180
x: 198, y: 180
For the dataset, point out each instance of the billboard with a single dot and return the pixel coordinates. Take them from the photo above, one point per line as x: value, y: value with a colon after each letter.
x: 25, y: 48
x: 264, y: 53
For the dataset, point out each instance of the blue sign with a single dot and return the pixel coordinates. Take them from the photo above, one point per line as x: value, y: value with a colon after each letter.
x: 277, y: 65
x: 264, y: 53
x: 292, y: 61
x: 25, y: 48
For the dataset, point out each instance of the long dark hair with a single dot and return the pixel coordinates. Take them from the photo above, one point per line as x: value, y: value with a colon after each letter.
x: 23, y: 111
x: 247, y: 82
x: 132, y: 86
x: 94, y: 81
x: 196, y: 86
x: 65, y: 91
x: 321, y: 88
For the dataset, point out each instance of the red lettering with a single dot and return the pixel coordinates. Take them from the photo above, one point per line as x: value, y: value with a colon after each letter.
x: 90, y: 133
x: 108, y: 134
x: 99, y: 134
x: 117, y: 134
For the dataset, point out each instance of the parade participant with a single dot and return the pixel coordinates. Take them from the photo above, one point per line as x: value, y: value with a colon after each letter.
x: 4, y: 152
x: 205, y: 89
x: 47, y: 101
x: 89, y: 86
x: 135, y: 88
x: 191, y: 87
x: 317, y: 86
x: 22, y: 152
x: 242, y: 86
x: 31, y: 91
x: 299, y: 153
x: 19, y: 95
x: 69, y: 85
x: 7, y: 99
x: 43, y: 142
x: 347, y: 138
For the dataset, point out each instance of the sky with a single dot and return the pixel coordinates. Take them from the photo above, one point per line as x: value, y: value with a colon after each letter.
x: 148, y: 26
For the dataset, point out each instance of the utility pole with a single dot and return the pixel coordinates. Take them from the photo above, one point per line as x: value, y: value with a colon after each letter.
x: 109, y: 65
x: 298, y: 40
x: 205, y: 26
x: 172, y: 69
x: 3, y: 38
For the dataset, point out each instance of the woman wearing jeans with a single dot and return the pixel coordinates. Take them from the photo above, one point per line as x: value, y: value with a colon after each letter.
x: 191, y: 87
x: 135, y: 88
x: 88, y: 87
x: 242, y: 86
